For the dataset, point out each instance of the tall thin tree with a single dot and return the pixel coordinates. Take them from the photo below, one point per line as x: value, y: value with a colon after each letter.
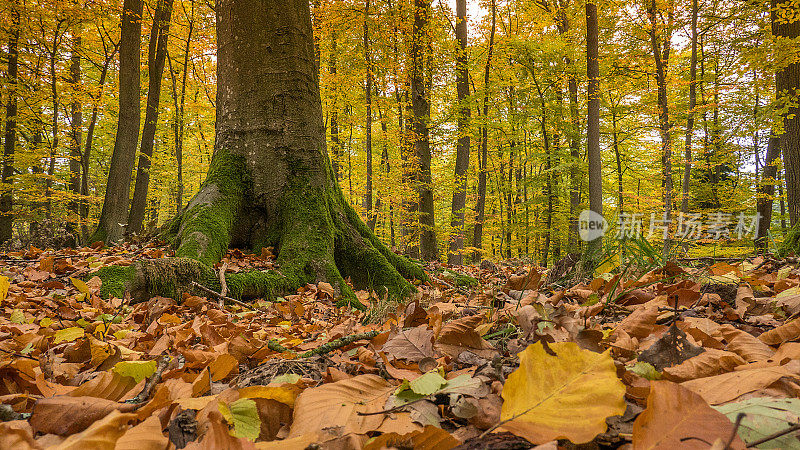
x: 459, y: 203
x: 115, y: 203
x: 156, y: 54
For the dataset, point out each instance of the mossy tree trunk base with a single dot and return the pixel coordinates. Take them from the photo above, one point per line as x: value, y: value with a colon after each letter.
x: 270, y: 182
x: 317, y: 235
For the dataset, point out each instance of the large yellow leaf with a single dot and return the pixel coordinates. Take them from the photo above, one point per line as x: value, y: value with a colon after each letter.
x: 567, y: 396
x: 338, y: 404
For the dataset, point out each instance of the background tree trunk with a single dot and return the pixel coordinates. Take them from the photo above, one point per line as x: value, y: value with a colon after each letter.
x: 156, y: 55
x: 765, y: 194
x: 661, y: 58
x: 367, y: 204
x: 788, y: 89
x: 75, y: 135
x: 593, y: 121
x: 10, y: 139
x: 687, y: 150
x: 115, y: 203
x: 421, y: 107
x: 459, y: 202
x: 480, y: 207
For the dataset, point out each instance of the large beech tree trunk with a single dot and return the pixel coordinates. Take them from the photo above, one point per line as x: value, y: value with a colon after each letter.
x: 270, y: 181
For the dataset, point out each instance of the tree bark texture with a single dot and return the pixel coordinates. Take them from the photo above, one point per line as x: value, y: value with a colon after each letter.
x: 421, y: 108
x: 785, y: 18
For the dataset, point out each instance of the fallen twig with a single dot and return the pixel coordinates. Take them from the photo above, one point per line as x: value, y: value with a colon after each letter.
x: 151, y: 382
x: 775, y: 435
x: 220, y: 296
x: 339, y: 343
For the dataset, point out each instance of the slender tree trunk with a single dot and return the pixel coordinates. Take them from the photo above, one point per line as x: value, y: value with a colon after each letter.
x: 10, y: 139
x: 87, y: 150
x: 51, y: 167
x: 687, y: 168
x: 459, y: 203
x: 115, y: 204
x: 480, y: 206
x: 765, y: 193
x: 618, y: 157
x: 661, y: 58
x: 420, y: 101
x: 75, y: 135
x: 593, y: 120
x: 786, y: 26
x: 156, y: 55
x: 367, y: 204
x: 179, y: 102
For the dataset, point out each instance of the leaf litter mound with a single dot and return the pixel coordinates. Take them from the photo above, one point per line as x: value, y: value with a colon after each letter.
x: 514, y: 361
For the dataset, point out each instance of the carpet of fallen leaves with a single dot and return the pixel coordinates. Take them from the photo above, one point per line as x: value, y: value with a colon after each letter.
x: 674, y: 357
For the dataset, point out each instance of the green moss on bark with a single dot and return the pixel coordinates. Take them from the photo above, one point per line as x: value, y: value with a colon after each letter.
x: 116, y: 280
x: 791, y: 244
x: 206, y: 226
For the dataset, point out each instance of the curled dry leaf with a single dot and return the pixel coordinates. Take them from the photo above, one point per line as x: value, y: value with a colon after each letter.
x: 338, y: 405
x: 789, y: 331
x: 429, y: 438
x: 723, y: 388
x: 641, y: 321
x: 709, y: 363
x: 68, y: 415
x: 678, y: 418
x: 567, y: 396
x: 148, y: 435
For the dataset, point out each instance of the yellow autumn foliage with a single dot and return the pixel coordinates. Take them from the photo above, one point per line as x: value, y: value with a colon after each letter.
x: 567, y: 396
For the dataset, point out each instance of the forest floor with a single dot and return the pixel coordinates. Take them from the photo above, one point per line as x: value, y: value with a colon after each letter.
x: 667, y: 357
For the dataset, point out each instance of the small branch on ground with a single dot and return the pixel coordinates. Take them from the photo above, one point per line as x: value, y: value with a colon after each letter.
x: 339, y: 343
x: 776, y: 435
x: 736, y: 425
x: 150, y: 384
x: 220, y: 296
x: 222, y: 282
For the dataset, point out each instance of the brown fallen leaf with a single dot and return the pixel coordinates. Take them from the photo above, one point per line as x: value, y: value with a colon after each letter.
x: 724, y: 388
x: 430, y: 438
x: 678, y: 418
x: 411, y: 345
x: 789, y: 331
x: 460, y: 335
x: 66, y: 415
x: 749, y: 347
x: 148, y: 435
x: 641, y: 321
x: 17, y: 436
x: 711, y: 362
x: 337, y: 405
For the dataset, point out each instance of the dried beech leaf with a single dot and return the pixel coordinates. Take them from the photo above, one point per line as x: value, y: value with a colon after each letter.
x: 338, y: 404
x: 678, y: 418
